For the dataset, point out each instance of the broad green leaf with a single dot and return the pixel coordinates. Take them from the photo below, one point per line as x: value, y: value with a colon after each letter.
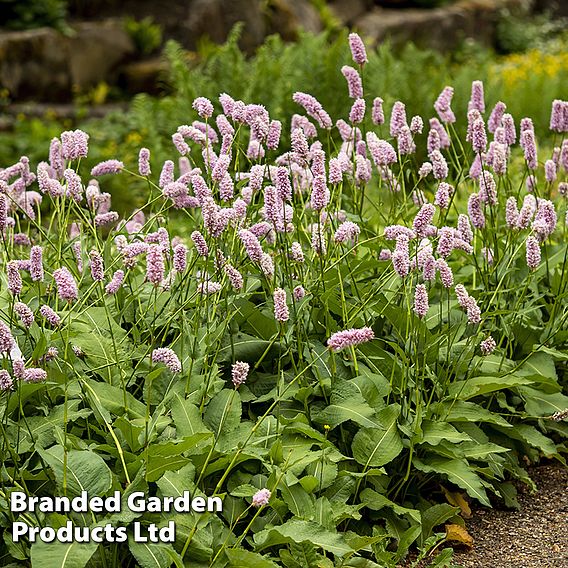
x: 374, y: 387
x: 355, y: 409
x: 531, y: 436
x: 174, y: 483
x: 373, y: 447
x: 298, y: 500
x: 61, y: 555
x: 464, y: 390
x: 436, y: 432
x: 301, y: 555
x: 325, y: 473
x: 252, y: 319
x: 245, y: 347
x: 461, y: 411
x: 299, y: 531
x: 223, y: 413
x: 154, y: 555
x: 187, y: 417
x: 84, y: 471
x: 113, y: 399
x: 341, y: 489
x: 239, y: 558
x: 375, y: 501
x: 167, y: 456
x: 538, y: 364
x: 539, y: 403
x: 458, y: 472
x: 436, y: 515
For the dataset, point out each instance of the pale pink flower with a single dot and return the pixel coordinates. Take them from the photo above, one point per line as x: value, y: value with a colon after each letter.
x: 25, y: 314
x: 66, y: 285
x: 114, y: 285
x: 358, y: 51
x: 168, y: 358
x: 421, y: 305
x: 354, y: 83
x: 155, y: 269
x: 281, y: 312
x: 487, y: 346
x: 349, y: 337
x: 261, y: 498
x: 239, y: 372
x: 50, y: 316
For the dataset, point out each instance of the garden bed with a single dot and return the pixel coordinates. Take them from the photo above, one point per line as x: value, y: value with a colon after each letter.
x: 326, y: 331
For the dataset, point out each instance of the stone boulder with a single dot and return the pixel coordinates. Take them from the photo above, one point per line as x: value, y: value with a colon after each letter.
x: 442, y: 28
x: 47, y: 65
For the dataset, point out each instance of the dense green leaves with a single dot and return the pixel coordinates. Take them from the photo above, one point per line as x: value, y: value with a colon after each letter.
x: 373, y: 447
x: 62, y: 555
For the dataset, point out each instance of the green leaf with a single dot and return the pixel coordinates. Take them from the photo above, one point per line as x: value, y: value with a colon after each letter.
x: 458, y: 472
x: 538, y: 364
x: 240, y: 558
x: 85, y: 471
x: 539, y: 403
x: 373, y: 447
x: 463, y: 390
x: 174, y: 483
x: 61, y: 555
x: 355, y: 409
x: 531, y: 436
x: 461, y: 411
x: 299, y: 531
x: 245, y: 347
x: 153, y: 555
x: 436, y: 432
x: 301, y: 555
x: 436, y: 515
x: 374, y: 388
x: 167, y: 456
x: 187, y: 417
x: 223, y: 413
x: 114, y: 400
x: 298, y: 500
x: 375, y: 501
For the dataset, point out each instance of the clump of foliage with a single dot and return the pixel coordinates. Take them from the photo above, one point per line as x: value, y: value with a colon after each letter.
x: 146, y: 35
x: 519, y: 31
x: 26, y: 14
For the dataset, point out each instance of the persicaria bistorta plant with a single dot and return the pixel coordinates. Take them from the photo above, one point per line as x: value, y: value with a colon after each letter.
x: 303, y: 329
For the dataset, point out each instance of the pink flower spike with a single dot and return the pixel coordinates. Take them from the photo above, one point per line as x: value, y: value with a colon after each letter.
x: 107, y: 167
x: 203, y: 106
x: 50, y: 316
x: 168, y: 358
x: 114, y: 285
x: 349, y: 337
x: 281, y: 312
x: 261, y: 498
x: 421, y: 305
x: 66, y: 285
x: 358, y: 51
x: 487, y: 346
x: 239, y: 373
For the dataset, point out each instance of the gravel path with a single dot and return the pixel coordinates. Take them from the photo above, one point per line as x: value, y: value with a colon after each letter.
x: 534, y: 537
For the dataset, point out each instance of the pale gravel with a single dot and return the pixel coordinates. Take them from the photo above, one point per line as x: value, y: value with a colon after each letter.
x: 536, y: 536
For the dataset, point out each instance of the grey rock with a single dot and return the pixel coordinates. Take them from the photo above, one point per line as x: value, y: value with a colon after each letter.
x: 288, y: 17
x: 348, y: 11
x: 441, y: 28
x: 45, y: 64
